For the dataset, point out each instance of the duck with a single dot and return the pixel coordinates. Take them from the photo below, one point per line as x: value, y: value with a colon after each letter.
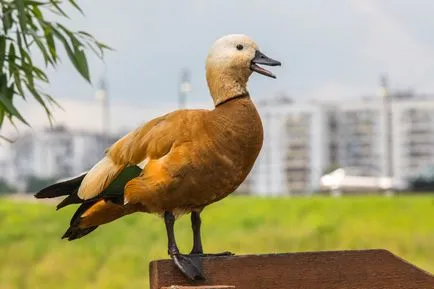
x: 180, y: 162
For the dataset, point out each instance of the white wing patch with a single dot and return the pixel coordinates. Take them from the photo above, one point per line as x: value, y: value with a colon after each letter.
x: 98, y: 178
x: 143, y: 163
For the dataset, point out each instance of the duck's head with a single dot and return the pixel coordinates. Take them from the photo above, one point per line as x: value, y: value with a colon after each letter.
x: 231, y: 61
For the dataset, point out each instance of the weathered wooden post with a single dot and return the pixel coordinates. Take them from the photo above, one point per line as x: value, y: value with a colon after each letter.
x: 365, y: 269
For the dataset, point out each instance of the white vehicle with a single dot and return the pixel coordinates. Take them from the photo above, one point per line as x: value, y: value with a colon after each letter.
x: 344, y: 180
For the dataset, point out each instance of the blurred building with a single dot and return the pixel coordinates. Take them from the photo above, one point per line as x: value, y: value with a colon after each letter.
x: 297, y: 148
x: 391, y: 136
x: 364, y: 131
x: 361, y: 144
x: 7, y: 171
x: 51, y: 154
x: 413, y: 136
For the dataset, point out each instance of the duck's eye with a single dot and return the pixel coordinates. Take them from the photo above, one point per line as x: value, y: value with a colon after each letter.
x: 240, y: 47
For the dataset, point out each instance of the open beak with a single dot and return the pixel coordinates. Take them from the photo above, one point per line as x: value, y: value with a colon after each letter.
x: 260, y: 58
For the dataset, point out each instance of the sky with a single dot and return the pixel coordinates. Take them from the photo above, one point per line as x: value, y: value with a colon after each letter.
x: 330, y: 50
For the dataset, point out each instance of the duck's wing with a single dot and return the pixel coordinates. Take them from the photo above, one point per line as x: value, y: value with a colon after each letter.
x: 104, y: 187
x: 127, y: 157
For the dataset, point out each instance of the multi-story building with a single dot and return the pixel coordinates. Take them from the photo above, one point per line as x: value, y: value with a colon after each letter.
x: 393, y: 139
x: 413, y: 136
x: 378, y: 137
x: 361, y: 142
x: 51, y: 153
x: 297, y: 148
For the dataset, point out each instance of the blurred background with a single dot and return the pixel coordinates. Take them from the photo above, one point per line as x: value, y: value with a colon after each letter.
x: 348, y: 155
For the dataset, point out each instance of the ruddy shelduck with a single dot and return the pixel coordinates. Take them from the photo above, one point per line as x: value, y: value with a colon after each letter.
x: 180, y: 162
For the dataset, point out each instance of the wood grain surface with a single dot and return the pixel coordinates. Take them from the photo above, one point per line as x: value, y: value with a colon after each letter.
x: 365, y: 269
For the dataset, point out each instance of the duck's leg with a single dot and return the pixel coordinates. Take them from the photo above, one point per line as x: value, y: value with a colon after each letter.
x: 189, y: 265
x: 197, y: 239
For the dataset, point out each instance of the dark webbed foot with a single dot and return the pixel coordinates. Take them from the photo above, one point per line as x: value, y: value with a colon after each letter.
x: 190, y: 265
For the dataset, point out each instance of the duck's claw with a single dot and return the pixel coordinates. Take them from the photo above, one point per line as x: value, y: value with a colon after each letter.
x: 190, y: 265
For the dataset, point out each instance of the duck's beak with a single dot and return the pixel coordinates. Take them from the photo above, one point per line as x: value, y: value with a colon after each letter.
x: 260, y: 58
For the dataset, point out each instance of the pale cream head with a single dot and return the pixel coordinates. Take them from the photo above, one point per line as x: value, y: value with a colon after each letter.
x: 231, y: 60
x: 228, y: 66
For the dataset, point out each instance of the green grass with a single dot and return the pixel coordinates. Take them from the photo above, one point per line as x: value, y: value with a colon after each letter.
x: 117, y: 255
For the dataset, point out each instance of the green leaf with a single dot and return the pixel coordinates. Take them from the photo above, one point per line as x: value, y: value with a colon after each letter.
x: 49, y: 38
x: 2, y: 114
x: 21, y: 13
x: 73, y: 3
x: 48, y: 32
x: 37, y: 96
x: 40, y: 74
x: 3, y: 81
x: 30, y: 22
x: 17, y: 82
x: 104, y: 46
x: 58, y: 9
x: 98, y: 51
x: 82, y: 64
x: 46, y: 55
x: 20, y: 45
x: 6, y: 19
x: 53, y: 101
x: 65, y: 43
x: 6, y: 99
x: 22, y: 19
x: 2, y: 52
x: 35, y: 3
x: 86, y: 34
x: 11, y: 58
x: 27, y: 67
x: 75, y: 54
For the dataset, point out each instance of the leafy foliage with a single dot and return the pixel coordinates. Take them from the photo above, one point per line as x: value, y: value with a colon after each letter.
x: 25, y: 29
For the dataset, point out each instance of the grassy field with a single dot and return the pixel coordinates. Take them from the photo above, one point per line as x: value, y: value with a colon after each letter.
x: 117, y: 255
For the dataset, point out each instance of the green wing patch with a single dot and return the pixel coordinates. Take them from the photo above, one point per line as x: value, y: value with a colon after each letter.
x: 115, y: 191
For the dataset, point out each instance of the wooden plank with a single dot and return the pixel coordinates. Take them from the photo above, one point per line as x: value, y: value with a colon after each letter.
x: 366, y: 269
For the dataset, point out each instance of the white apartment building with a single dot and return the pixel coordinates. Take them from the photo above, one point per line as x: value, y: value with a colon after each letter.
x: 50, y: 153
x: 296, y: 150
x: 361, y: 137
x: 413, y: 136
x: 302, y: 140
x: 401, y: 149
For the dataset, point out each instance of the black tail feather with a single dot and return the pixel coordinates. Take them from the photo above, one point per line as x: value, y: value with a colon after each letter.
x: 75, y: 220
x: 74, y: 233
x: 69, y: 188
x: 64, y: 188
x: 69, y: 200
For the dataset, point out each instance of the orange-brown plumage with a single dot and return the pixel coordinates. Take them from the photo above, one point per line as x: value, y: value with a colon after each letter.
x: 179, y: 162
x: 196, y: 157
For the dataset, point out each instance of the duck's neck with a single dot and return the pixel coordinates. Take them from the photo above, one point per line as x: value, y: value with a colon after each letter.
x: 224, y: 86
